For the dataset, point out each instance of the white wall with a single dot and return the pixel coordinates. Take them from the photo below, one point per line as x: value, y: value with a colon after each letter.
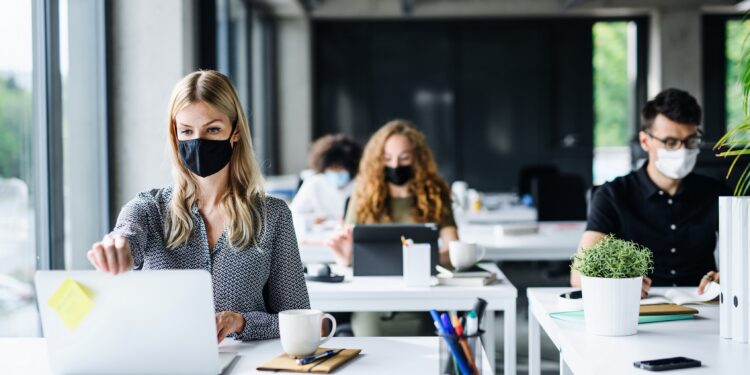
x: 151, y: 49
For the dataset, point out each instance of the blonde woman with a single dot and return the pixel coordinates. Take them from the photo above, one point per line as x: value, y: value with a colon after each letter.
x: 398, y: 182
x: 215, y: 217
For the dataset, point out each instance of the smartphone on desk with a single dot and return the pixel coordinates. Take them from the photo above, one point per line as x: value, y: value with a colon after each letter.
x: 664, y: 364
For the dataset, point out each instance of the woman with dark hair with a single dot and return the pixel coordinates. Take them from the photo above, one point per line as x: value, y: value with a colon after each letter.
x: 322, y: 196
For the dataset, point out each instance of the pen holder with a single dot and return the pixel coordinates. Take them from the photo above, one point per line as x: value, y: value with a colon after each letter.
x: 448, y: 365
x: 417, y: 265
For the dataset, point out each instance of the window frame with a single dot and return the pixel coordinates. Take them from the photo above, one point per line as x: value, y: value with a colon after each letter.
x: 48, y: 130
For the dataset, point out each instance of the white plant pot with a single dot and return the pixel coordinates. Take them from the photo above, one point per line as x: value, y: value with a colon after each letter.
x: 611, y: 306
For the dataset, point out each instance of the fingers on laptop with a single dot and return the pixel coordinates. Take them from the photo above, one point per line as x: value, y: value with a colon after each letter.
x: 227, y: 322
x: 112, y: 255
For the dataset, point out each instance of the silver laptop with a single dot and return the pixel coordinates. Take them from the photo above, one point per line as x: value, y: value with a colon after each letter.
x: 153, y: 322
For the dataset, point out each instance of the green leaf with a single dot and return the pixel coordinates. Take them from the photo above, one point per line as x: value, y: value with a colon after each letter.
x: 613, y: 258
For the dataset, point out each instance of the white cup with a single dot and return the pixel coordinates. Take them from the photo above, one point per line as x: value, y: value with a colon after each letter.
x: 463, y: 255
x: 300, y: 331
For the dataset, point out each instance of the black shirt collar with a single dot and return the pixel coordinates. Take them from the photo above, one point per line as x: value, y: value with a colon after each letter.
x: 649, y: 188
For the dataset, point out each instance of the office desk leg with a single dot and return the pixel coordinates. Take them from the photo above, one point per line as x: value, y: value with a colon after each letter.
x: 564, y: 369
x: 534, y: 351
x: 488, y: 341
x: 509, y: 317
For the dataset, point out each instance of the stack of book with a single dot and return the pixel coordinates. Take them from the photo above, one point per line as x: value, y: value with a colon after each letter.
x: 474, y: 276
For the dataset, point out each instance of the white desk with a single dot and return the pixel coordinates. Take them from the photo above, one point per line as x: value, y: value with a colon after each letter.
x: 380, y: 355
x: 509, y: 214
x: 554, y: 241
x: 385, y: 293
x: 581, y: 353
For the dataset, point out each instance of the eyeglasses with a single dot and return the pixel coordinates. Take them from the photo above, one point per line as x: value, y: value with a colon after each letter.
x: 692, y: 142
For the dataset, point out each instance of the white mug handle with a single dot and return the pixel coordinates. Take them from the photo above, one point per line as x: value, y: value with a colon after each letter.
x: 484, y: 252
x: 333, y: 327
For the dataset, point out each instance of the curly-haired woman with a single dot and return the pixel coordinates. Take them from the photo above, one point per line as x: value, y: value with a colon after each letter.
x: 322, y: 196
x: 398, y: 182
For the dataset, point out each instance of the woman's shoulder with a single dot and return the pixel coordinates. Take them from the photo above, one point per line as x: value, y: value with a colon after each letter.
x: 274, y: 206
x: 156, y: 198
x: 318, y: 178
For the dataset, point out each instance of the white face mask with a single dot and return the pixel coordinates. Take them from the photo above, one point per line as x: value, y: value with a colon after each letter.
x: 676, y: 164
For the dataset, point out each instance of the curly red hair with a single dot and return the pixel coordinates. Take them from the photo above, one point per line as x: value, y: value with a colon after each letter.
x: 432, y: 194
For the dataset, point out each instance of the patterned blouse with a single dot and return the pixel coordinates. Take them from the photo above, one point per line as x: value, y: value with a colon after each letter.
x: 257, y: 282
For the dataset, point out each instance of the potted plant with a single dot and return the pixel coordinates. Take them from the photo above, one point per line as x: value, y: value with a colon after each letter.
x: 612, y: 272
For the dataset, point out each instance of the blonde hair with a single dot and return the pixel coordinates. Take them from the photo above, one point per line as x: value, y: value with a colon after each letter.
x: 243, y: 197
x: 431, y: 192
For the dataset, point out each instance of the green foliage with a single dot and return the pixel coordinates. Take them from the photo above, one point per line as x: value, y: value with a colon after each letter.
x: 736, y: 142
x: 737, y: 31
x: 15, y: 127
x: 610, y: 83
x: 613, y: 258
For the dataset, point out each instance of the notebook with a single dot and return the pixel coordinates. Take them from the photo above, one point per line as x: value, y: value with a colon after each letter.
x: 466, y: 281
x: 681, y: 297
x: 324, y: 366
x: 474, y: 271
x: 577, y: 316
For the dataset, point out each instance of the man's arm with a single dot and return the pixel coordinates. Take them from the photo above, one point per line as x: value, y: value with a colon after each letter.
x: 589, y: 239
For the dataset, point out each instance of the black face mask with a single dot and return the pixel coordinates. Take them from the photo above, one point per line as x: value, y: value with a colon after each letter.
x: 205, y: 157
x: 399, y: 175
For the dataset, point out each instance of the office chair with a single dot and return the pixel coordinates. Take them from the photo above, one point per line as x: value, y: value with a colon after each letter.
x: 559, y: 197
x: 529, y: 172
x: 589, y: 196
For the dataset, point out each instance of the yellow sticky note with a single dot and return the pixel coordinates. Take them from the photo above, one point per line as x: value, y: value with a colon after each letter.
x: 71, y: 302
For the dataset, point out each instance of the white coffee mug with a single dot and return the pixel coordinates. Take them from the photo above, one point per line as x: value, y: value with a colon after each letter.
x: 463, y: 255
x: 300, y: 331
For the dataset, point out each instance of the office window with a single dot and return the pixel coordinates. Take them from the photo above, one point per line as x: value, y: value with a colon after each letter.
x: 614, y: 80
x: 17, y: 178
x: 737, y: 32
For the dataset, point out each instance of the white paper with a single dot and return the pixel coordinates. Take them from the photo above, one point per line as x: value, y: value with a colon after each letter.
x: 682, y: 297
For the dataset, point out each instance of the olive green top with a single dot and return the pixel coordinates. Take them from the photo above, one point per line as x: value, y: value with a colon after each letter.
x: 400, y: 211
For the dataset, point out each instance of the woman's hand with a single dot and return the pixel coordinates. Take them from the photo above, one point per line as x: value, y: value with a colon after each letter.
x: 707, y: 279
x: 341, y: 243
x: 111, y: 255
x: 228, y: 322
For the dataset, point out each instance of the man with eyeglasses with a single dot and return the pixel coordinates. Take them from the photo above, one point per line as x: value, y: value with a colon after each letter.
x: 663, y: 206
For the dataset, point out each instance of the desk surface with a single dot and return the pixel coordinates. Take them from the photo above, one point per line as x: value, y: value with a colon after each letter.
x: 380, y: 355
x: 554, y: 241
x: 589, y: 354
x: 388, y: 293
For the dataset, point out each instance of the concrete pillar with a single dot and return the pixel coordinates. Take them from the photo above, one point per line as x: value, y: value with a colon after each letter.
x: 295, y: 93
x: 151, y: 49
x: 675, y: 51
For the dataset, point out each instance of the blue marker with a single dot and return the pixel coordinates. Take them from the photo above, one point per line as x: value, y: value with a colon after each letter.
x: 325, y: 354
x: 457, y: 356
x: 446, y: 321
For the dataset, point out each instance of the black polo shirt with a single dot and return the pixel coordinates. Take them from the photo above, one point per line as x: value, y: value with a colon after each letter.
x: 680, y: 230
